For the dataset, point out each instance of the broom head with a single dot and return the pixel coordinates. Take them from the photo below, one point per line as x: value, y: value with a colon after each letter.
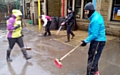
x: 28, y: 48
x: 58, y: 63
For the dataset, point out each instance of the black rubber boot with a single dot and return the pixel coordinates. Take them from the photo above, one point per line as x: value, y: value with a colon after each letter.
x: 45, y: 34
x: 25, y: 54
x: 68, y: 38
x: 73, y: 35
x: 8, y: 56
x: 49, y: 33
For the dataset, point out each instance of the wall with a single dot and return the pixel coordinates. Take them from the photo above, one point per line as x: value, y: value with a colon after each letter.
x: 54, y: 7
x: 104, y: 7
x: 112, y: 28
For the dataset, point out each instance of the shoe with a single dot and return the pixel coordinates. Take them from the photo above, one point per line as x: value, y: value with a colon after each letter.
x: 67, y: 41
x: 72, y: 36
x: 97, y: 73
x: 49, y: 34
x: 25, y: 54
x: 68, y: 38
x: 9, y: 59
x: 8, y: 56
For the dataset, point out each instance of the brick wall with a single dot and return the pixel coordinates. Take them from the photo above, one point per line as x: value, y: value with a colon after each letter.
x: 54, y: 7
x: 112, y: 28
x: 82, y: 24
x: 2, y: 17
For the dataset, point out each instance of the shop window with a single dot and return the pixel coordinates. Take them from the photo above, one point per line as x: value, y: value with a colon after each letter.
x: 78, y: 8
x: 69, y: 3
x: 85, y: 2
x: 115, y: 15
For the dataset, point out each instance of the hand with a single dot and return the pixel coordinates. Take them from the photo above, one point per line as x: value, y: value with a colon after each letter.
x: 83, y: 43
x: 62, y: 23
x: 17, y: 26
x: 22, y: 34
x: 66, y: 17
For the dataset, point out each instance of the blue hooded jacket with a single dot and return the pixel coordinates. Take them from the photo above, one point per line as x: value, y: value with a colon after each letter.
x: 96, y: 29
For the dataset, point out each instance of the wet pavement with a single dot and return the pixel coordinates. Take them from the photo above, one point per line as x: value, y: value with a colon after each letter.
x: 46, y: 49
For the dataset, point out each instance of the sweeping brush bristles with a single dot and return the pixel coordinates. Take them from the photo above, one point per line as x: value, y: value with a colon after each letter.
x: 58, y: 63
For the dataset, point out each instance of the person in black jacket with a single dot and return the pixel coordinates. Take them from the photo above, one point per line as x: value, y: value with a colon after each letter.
x: 69, y: 21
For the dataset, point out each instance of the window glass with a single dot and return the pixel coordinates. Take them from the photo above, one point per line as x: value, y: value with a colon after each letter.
x: 85, y: 2
x: 115, y: 10
x: 117, y: 2
x: 78, y: 8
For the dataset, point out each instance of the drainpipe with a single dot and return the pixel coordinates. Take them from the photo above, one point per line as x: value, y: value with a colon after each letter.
x: 94, y: 2
x: 8, y: 7
x: 39, y: 21
x: 63, y: 4
x: 23, y: 8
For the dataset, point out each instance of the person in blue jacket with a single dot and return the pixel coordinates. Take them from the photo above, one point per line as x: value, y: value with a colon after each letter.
x: 96, y: 38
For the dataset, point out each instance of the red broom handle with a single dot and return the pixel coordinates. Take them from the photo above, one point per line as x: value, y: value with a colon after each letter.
x: 69, y: 52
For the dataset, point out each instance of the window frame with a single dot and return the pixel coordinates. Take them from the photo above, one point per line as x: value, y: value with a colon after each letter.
x: 83, y: 17
x: 78, y: 7
x: 114, y: 5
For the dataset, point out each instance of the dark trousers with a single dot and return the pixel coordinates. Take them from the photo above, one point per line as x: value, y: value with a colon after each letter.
x: 94, y: 53
x: 12, y: 42
x: 47, y: 29
x: 69, y: 30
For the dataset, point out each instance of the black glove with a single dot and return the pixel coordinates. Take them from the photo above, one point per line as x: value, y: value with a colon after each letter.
x: 83, y: 43
x: 22, y: 34
x: 17, y: 26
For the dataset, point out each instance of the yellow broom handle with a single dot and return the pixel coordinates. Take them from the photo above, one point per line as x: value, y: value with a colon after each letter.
x: 69, y: 52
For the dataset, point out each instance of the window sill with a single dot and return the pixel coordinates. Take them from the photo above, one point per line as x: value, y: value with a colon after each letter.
x: 83, y: 20
x: 114, y: 22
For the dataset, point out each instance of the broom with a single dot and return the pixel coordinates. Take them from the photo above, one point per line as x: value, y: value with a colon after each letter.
x: 58, y: 61
x: 59, y: 30
x: 26, y: 47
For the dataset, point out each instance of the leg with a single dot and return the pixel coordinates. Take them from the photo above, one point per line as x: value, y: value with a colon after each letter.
x: 73, y: 35
x: 96, y: 48
x: 49, y: 33
x: 11, y: 42
x: 91, y: 54
x: 97, y: 56
x: 68, y: 34
x: 45, y: 33
x: 21, y: 45
x: 48, y: 30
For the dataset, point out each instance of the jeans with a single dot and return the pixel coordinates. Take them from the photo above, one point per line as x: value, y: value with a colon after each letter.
x: 94, y: 53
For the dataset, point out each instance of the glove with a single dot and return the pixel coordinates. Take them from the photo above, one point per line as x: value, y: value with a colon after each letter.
x: 62, y: 23
x: 83, y: 43
x: 22, y: 34
x: 17, y: 26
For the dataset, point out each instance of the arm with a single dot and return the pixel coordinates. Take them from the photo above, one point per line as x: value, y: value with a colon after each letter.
x: 69, y: 17
x: 94, y: 31
x: 45, y: 21
x: 10, y: 25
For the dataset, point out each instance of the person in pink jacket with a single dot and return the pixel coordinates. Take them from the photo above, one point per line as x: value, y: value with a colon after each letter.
x: 14, y: 34
x: 47, y: 22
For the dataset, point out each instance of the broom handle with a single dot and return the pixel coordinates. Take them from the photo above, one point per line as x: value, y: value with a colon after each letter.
x: 59, y: 30
x: 69, y: 52
x: 24, y: 42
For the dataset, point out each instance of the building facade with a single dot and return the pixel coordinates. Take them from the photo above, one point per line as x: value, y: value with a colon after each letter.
x: 48, y: 7
x: 110, y: 10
